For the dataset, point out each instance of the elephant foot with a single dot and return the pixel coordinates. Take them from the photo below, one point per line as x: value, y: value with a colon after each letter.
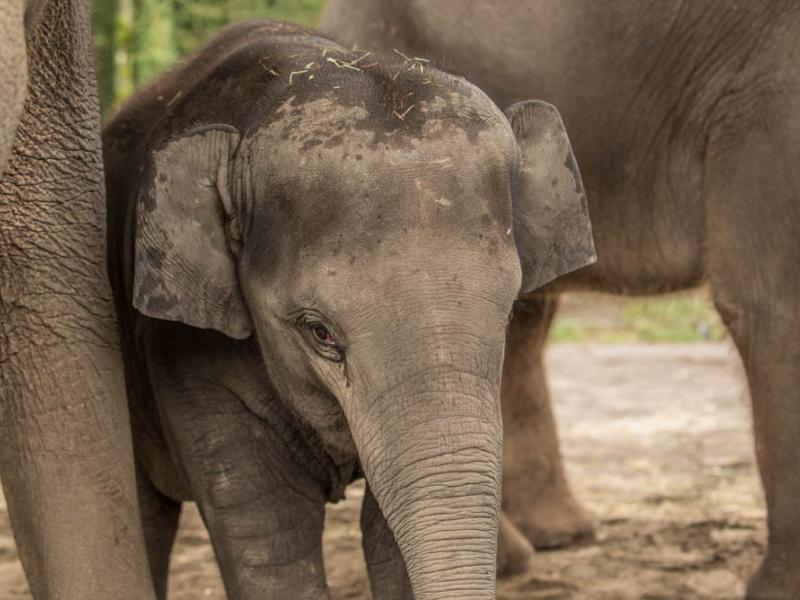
x: 514, y: 552
x: 776, y: 579
x: 555, y: 522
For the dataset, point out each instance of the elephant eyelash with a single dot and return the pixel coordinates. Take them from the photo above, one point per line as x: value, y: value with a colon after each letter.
x: 515, y: 306
x: 520, y: 306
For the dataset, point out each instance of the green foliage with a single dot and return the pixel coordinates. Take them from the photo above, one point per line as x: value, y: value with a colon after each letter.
x: 674, y: 320
x: 104, y: 24
x: 677, y: 318
x: 136, y: 39
x: 569, y: 329
x: 153, y: 46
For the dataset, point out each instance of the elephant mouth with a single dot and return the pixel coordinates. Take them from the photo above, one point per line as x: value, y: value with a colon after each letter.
x: 341, y: 477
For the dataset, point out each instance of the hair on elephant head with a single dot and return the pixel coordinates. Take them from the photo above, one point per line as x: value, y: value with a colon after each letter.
x: 368, y: 225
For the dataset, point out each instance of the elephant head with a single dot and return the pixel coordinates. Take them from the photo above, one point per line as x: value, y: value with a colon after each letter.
x: 373, y: 235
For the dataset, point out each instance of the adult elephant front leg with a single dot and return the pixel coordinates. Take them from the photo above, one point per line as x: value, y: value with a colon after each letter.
x: 65, y: 452
x: 536, y: 494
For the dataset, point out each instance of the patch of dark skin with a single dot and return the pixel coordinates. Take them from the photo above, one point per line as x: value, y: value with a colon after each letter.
x: 155, y: 256
x: 159, y: 299
x: 334, y: 141
x: 163, y: 303
x: 312, y: 143
x: 150, y: 197
x: 319, y: 221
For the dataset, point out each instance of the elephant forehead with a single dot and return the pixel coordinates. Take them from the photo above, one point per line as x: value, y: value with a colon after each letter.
x: 333, y: 164
x: 476, y: 282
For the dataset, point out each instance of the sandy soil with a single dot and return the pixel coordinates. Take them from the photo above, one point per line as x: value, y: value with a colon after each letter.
x: 657, y: 440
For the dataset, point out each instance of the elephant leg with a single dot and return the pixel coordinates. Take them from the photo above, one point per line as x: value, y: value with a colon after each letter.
x: 66, y: 459
x: 388, y: 578
x: 514, y: 551
x: 754, y: 243
x: 770, y: 350
x: 766, y: 332
x: 264, y: 515
x: 536, y: 494
x: 160, y: 517
x: 263, y: 508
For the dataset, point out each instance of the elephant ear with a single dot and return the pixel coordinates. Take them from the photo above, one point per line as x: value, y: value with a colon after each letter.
x: 185, y: 269
x: 551, y: 219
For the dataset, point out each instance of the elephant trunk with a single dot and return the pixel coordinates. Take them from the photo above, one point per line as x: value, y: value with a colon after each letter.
x: 431, y: 453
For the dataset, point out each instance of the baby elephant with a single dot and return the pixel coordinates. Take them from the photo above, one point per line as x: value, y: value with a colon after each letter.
x: 314, y: 253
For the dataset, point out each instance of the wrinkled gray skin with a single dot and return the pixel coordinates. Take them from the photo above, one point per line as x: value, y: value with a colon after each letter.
x: 685, y: 119
x: 66, y: 460
x: 314, y: 262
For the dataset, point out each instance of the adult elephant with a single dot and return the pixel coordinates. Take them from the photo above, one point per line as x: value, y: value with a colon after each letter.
x: 65, y: 450
x: 685, y: 119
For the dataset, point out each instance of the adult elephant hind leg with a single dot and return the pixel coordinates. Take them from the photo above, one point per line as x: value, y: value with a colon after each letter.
x: 536, y: 495
x: 514, y: 551
x: 753, y: 199
x: 160, y: 517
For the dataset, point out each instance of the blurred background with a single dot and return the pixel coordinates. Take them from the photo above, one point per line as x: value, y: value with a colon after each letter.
x: 136, y: 39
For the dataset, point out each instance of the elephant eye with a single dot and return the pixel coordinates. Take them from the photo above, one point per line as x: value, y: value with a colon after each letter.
x: 322, y: 334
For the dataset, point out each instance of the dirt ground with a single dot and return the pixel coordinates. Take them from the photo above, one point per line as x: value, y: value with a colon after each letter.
x: 657, y: 441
